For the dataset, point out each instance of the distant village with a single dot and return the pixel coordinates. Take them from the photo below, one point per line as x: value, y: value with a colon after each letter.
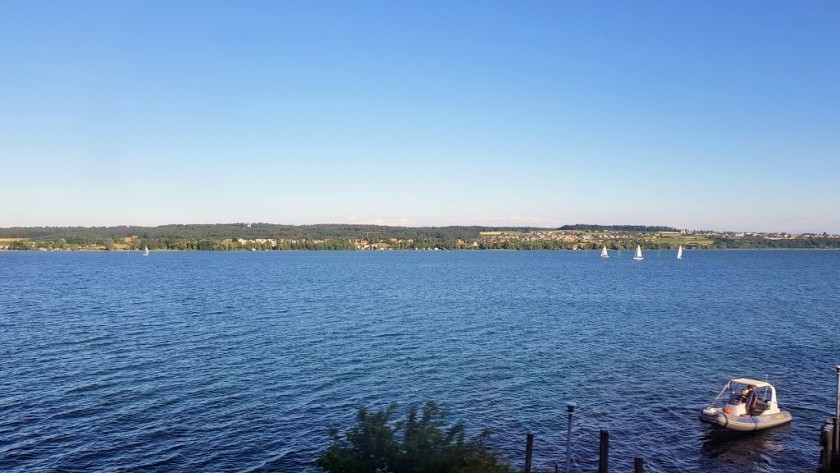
x: 687, y: 238
x: 571, y: 239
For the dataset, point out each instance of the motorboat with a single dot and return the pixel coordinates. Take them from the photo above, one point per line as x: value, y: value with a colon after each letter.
x: 750, y: 405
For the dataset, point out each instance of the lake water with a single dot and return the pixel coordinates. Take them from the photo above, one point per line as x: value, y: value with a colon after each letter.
x: 242, y: 361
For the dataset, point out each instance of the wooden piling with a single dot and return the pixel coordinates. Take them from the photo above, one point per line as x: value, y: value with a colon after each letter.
x: 827, y: 444
x: 638, y: 465
x: 604, y: 454
x: 529, y: 451
x: 836, y: 444
x: 570, y: 408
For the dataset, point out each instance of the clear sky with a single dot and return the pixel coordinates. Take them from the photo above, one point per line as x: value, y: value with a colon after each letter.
x: 706, y: 115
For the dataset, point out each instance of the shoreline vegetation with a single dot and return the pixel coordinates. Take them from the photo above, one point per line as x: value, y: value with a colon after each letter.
x: 424, y: 442
x: 274, y: 237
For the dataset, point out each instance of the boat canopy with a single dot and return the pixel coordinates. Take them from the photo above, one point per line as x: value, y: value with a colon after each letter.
x: 754, y: 382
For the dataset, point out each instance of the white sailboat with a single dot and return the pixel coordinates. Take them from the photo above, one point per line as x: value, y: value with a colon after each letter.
x: 638, y: 256
x: 604, y: 253
x: 145, y: 250
x: 679, y: 253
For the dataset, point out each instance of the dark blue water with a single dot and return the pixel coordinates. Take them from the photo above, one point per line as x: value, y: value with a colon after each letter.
x: 242, y: 361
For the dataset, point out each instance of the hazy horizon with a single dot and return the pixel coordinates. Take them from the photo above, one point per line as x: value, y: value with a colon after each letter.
x: 706, y: 115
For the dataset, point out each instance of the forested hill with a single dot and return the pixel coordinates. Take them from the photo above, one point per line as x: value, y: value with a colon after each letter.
x: 221, y: 231
x: 251, y: 231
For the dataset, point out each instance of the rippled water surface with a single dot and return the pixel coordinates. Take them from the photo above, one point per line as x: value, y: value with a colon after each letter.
x: 242, y: 361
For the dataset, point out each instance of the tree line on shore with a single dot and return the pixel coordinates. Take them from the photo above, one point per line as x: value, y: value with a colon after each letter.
x: 261, y: 236
x: 250, y: 231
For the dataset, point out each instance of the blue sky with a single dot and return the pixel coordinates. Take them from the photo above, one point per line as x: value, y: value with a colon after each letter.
x: 707, y: 115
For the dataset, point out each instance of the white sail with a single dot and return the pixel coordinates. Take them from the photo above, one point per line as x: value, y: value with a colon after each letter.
x: 638, y: 256
x: 145, y: 250
x: 679, y: 253
x: 604, y: 253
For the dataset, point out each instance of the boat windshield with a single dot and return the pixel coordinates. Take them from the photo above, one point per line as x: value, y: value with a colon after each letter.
x: 735, y: 397
x: 739, y: 391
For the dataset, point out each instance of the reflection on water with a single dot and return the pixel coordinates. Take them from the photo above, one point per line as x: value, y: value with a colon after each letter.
x: 743, y: 448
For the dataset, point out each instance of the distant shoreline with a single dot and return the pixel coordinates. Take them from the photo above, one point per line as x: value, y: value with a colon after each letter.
x: 273, y: 237
x: 592, y: 250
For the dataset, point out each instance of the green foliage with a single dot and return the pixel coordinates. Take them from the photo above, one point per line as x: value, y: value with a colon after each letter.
x: 823, y: 242
x: 221, y: 231
x: 21, y: 245
x: 107, y: 243
x: 419, y: 444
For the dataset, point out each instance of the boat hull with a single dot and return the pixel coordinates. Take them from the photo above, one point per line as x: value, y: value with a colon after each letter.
x: 718, y: 419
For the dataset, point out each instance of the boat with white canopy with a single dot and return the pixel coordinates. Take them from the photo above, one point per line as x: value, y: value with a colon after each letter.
x: 750, y: 405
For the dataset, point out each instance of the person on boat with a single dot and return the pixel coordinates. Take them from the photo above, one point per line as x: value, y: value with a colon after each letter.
x: 743, y: 397
x: 752, y: 400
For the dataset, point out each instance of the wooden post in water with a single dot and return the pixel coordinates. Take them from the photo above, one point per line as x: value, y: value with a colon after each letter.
x: 570, y: 408
x: 604, y: 452
x: 827, y: 444
x: 836, y: 447
x: 529, y: 451
x: 638, y: 465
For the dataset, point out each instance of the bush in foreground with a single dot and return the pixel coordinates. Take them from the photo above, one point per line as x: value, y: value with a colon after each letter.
x: 418, y: 444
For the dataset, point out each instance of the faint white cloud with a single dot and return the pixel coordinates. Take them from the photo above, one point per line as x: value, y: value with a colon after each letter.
x: 388, y: 222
